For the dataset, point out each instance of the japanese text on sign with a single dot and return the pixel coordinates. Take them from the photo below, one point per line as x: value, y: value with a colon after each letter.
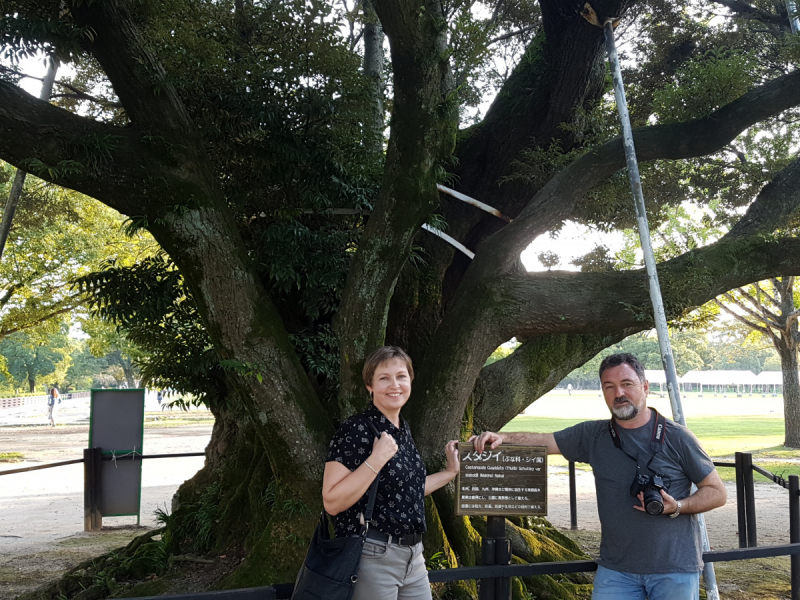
x: 510, y: 480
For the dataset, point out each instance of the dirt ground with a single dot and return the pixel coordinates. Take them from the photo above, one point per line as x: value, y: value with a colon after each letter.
x: 41, y: 512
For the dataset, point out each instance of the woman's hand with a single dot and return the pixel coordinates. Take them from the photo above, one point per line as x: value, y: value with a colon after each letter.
x: 383, y: 449
x: 446, y: 475
x: 451, y: 453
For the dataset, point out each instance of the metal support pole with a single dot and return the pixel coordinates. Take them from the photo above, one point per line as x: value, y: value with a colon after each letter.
x: 92, y: 463
x: 741, y: 511
x: 656, y: 300
x: 794, y: 22
x: 19, y: 178
x: 794, y: 532
x: 573, y: 498
x: 749, y: 499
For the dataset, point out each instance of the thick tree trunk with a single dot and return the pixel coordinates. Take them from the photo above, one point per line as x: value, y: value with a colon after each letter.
x: 791, y: 395
x: 373, y: 70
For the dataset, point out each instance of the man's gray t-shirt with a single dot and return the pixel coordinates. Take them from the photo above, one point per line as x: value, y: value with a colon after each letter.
x: 634, y: 541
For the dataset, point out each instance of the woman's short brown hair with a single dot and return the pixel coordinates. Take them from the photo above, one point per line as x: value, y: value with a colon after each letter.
x: 382, y: 355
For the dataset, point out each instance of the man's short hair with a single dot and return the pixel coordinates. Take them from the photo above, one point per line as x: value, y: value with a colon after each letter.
x: 382, y: 355
x: 623, y: 358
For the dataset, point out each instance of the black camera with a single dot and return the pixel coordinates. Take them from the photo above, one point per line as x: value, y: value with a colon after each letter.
x: 651, y: 485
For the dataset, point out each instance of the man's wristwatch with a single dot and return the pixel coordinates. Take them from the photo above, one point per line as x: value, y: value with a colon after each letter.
x: 677, y: 510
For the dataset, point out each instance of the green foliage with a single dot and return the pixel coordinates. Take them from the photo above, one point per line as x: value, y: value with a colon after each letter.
x: 437, y: 560
x: 193, y: 527
x: 273, y: 499
x: 84, y: 368
x: 64, y: 170
x: 35, y: 360
x: 706, y: 83
x: 306, y: 266
x: 692, y: 350
x: 147, y: 302
x: 29, y: 29
x: 57, y: 236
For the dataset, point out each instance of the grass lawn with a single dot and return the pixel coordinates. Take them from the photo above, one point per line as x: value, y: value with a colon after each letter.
x: 720, y: 436
x: 11, y: 457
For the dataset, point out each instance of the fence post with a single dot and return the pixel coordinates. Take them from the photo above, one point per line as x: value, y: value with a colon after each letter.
x: 750, y: 500
x: 486, y: 585
x: 92, y: 463
x: 573, y: 498
x: 794, y: 532
x: 740, y: 501
x: 495, y: 550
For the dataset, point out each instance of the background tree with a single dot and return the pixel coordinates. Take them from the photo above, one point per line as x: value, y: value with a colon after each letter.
x: 57, y: 236
x: 771, y: 309
x: 37, y: 359
x: 84, y: 367
x: 235, y: 133
x: 106, y: 341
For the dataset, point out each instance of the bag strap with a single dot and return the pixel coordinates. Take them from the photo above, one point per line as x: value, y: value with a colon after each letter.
x: 373, y: 489
x: 373, y: 493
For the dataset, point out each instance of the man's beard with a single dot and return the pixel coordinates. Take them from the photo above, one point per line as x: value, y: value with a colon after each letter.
x: 624, y: 412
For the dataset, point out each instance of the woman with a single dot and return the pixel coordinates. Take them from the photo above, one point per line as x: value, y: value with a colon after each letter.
x: 392, y: 565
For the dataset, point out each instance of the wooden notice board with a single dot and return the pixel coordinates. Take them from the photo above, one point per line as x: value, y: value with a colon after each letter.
x: 507, y: 481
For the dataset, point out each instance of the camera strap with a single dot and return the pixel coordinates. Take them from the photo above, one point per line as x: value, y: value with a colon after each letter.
x: 656, y: 440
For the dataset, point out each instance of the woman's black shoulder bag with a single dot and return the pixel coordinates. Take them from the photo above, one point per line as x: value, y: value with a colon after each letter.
x: 330, y: 570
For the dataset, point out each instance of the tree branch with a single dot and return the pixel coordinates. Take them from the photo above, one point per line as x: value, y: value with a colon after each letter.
x: 510, y: 34
x: 741, y: 319
x: 138, y: 77
x: 761, y: 318
x: 791, y: 319
x: 748, y: 10
x: 766, y: 293
x: 556, y: 301
x: 9, y: 292
x: 556, y: 200
x: 508, y: 386
x: 422, y: 110
x: 7, y: 332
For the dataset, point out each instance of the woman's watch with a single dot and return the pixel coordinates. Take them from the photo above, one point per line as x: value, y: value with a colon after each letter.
x: 677, y: 510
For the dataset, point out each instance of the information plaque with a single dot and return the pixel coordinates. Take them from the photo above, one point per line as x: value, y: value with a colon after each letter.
x: 507, y: 481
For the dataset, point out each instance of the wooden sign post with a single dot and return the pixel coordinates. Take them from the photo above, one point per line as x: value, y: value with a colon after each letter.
x: 508, y: 481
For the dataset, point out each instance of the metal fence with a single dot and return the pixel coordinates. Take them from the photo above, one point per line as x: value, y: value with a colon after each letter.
x: 494, y: 579
x: 32, y: 400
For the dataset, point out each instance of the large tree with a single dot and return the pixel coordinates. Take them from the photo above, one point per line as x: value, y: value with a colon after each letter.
x: 241, y: 135
x: 770, y: 308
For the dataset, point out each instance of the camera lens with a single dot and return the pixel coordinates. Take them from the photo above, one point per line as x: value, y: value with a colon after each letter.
x: 653, y: 503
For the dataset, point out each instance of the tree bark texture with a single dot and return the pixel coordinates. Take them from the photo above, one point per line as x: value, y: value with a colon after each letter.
x: 421, y: 138
x: 187, y: 216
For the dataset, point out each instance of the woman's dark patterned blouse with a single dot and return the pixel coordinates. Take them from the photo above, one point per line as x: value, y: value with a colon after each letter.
x: 400, y: 503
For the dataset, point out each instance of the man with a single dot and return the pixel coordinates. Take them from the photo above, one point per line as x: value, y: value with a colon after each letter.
x: 645, y: 551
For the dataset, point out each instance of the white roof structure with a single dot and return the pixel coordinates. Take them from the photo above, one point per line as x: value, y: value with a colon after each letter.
x: 656, y: 376
x: 720, y: 378
x: 770, y: 378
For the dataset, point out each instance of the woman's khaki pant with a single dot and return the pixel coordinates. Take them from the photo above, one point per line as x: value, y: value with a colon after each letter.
x: 392, y: 572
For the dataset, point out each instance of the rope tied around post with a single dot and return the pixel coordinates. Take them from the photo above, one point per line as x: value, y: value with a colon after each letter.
x: 133, y: 453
